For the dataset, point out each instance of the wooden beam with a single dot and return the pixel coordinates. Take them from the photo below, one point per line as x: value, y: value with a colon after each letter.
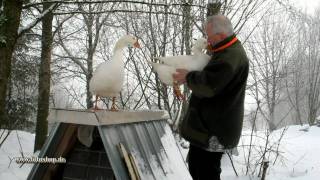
x: 103, y: 117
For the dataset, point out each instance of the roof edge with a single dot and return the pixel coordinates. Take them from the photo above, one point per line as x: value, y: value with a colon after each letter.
x: 104, y: 117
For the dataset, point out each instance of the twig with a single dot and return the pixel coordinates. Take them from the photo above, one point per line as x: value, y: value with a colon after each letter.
x: 234, y: 169
x: 21, y: 151
x: 251, y: 137
x: 116, y: 11
x: 112, y: 1
x: 6, y: 136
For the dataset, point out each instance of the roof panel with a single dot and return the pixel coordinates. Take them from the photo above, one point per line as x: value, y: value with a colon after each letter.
x: 151, y: 143
x: 153, y: 147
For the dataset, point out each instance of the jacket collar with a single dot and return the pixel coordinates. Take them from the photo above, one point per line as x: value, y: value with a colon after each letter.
x: 227, y: 42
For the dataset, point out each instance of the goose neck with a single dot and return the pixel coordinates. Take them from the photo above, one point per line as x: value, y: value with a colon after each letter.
x: 119, y: 46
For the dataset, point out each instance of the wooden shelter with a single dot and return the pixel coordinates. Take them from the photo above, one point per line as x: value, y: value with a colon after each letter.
x: 125, y: 145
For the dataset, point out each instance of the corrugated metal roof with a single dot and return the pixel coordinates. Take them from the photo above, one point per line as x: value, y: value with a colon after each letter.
x: 153, y: 147
x: 150, y: 142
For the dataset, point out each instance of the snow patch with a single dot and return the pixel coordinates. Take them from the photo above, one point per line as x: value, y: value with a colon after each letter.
x: 299, y: 149
x: 10, y: 150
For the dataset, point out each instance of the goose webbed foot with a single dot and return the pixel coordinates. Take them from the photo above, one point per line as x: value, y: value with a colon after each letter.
x: 177, y: 92
x: 95, y: 107
x: 113, y: 107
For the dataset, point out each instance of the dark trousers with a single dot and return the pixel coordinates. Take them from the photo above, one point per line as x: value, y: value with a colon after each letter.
x: 204, y: 165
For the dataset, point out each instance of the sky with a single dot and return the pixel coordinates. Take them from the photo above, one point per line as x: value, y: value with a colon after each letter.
x: 309, y: 5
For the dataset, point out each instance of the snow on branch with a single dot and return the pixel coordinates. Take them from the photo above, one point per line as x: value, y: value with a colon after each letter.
x: 117, y: 11
x: 21, y: 31
x: 110, y: 1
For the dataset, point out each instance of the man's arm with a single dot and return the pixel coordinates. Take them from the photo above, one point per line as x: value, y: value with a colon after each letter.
x: 210, y: 81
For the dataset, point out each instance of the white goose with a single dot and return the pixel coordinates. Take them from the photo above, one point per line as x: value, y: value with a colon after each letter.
x: 195, y: 62
x: 108, y: 78
x: 199, y: 46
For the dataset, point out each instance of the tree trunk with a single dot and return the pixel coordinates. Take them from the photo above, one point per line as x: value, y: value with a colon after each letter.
x: 165, y: 96
x: 187, y: 34
x: 90, y: 51
x: 9, y: 24
x: 44, y: 80
x: 88, y: 78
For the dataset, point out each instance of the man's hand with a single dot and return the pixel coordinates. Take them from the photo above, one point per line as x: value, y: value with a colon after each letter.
x: 180, y: 76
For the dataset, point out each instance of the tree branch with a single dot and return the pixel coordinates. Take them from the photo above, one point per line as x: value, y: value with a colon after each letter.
x: 111, y: 1
x: 37, y: 20
x: 116, y: 11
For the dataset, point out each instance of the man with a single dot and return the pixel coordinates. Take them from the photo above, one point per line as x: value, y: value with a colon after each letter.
x: 213, y: 121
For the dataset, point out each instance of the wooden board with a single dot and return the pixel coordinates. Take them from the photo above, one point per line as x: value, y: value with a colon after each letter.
x: 103, y: 117
x: 127, y: 161
x: 121, y: 117
x: 134, y: 165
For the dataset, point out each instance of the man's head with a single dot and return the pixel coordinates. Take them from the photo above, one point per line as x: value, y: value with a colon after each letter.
x: 218, y: 27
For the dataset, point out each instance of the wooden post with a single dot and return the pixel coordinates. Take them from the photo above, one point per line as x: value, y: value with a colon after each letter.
x: 265, y: 166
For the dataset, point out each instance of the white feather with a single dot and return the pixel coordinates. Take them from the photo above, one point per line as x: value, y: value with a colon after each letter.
x: 164, y: 72
x: 189, y: 62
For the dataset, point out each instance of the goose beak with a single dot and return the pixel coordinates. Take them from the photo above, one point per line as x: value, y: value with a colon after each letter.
x: 136, y: 44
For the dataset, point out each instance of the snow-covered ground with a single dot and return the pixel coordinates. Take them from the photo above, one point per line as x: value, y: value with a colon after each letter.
x: 298, y: 158
x: 9, y: 169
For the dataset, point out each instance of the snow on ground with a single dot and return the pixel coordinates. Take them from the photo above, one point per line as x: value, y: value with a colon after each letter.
x: 11, y: 149
x: 299, y: 157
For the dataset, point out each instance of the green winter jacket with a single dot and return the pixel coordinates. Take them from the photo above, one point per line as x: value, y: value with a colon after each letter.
x: 216, y: 105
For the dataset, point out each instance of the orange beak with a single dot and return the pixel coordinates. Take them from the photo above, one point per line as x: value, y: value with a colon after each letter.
x: 136, y: 44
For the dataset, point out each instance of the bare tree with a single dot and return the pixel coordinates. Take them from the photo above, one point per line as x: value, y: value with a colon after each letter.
x: 313, y: 68
x: 93, y: 25
x: 295, y: 78
x: 304, y: 68
x: 269, y: 53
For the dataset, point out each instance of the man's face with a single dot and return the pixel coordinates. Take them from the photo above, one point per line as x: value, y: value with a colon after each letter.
x: 211, y: 37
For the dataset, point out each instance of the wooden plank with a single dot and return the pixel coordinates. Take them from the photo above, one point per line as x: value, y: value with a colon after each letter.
x: 121, y: 117
x: 134, y: 165
x: 103, y: 117
x: 127, y: 161
x: 72, y: 116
